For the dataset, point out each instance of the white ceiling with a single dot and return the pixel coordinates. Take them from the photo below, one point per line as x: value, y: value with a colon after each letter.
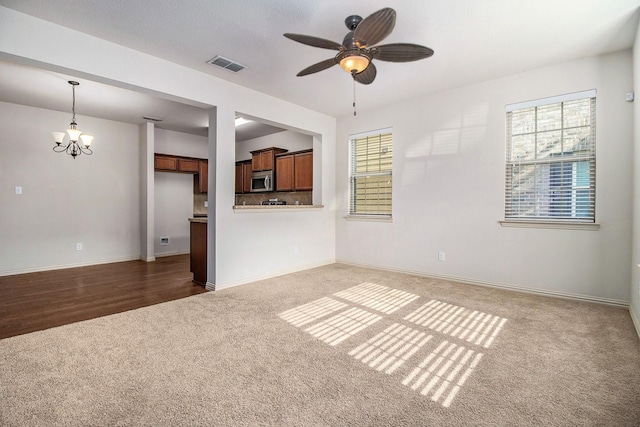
x: 473, y: 40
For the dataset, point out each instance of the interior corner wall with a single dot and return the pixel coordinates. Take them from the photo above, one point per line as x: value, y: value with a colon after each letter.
x: 634, y: 307
x: 448, y: 188
x: 93, y: 200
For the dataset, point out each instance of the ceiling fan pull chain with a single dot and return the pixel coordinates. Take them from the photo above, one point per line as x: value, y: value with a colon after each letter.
x: 353, y: 73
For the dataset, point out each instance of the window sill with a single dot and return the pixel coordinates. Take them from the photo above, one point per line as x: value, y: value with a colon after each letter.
x: 371, y: 218
x: 551, y: 224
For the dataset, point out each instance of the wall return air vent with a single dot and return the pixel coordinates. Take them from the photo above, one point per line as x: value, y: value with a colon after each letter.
x: 225, y: 63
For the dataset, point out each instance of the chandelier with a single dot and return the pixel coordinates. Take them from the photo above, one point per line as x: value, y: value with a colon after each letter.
x: 73, y: 148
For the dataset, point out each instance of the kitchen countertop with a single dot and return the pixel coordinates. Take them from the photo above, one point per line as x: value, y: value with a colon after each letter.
x: 274, y: 207
x: 199, y: 219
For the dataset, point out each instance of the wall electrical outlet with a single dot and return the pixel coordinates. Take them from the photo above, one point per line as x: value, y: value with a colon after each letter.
x: 18, y: 190
x: 78, y: 246
x: 206, y: 203
x: 164, y: 241
x: 440, y: 256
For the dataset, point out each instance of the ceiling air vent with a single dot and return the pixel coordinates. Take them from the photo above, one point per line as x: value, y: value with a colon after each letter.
x: 225, y: 63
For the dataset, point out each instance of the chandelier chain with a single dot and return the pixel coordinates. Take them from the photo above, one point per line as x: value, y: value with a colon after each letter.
x: 73, y: 105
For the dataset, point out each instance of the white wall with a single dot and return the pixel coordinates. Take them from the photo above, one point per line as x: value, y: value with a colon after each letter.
x: 635, y: 259
x: 173, y: 206
x: 289, y: 140
x: 267, y: 239
x: 180, y: 144
x: 448, y: 188
x: 91, y: 200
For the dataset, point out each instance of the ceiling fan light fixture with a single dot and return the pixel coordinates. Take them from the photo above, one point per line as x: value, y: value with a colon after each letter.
x: 354, y: 61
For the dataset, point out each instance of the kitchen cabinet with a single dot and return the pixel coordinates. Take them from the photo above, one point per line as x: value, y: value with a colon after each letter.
x: 198, y: 249
x: 294, y: 171
x: 167, y: 162
x: 264, y: 160
x: 239, y: 178
x: 243, y: 176
x: 188, y: 165
x: 303, y: 171
x: 247, y: 169
x: 198, y: 167
x: 203, y: 176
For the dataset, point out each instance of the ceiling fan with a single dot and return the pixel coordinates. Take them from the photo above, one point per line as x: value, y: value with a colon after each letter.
x: 356, y: 53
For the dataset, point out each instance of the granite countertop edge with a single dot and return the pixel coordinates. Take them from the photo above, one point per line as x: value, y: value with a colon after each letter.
x: 275, y: 207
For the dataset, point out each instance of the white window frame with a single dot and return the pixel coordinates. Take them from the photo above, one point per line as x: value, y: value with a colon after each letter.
x: 512, y: 217
x: 353, y: 213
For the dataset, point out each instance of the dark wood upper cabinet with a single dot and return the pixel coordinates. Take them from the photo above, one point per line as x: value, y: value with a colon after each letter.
x: 188, y: 165
x: 294, y: 171
x: 246, y: 172
x: 303, y: 171
x: 239, y: 178
x: 264, y: 160
x: 203, y: 175
x: 243, y: 176
x: 198, y: 167
x: 284, y: 173
x: 165, y: 163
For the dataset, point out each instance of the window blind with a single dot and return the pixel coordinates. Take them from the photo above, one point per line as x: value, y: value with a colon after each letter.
x: 551, y: 160
x: 371, y: 163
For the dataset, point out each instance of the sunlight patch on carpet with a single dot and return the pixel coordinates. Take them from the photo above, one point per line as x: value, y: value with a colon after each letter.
x: 445, y: 367
x: 343, y: 325
x: 472, y: 326
x: 443, y: 372
x: 391, y: 348
x: 312, y: 311
x: 377, y: 297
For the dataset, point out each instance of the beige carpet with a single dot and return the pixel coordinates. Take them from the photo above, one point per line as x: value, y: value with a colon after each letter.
x: 332, y: 346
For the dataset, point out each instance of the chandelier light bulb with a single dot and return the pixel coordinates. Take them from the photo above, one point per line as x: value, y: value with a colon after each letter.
x: 86, y: 140
x: 58, y: 137
x: 74, y: 133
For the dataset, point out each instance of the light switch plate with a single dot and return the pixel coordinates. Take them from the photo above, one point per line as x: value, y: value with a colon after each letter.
x: 18, y: 190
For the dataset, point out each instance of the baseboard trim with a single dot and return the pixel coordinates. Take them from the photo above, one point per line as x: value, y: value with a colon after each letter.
x: 252, y: 279
x: 466, y: 281
x: 210, y: 286
x: 636, y: 321
x: 166, y: 254
x: 62, y: 267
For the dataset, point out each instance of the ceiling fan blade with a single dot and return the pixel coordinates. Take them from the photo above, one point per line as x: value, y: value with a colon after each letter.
x: 327, y: 63
x: 375, y: 27
x: 313, y: 41
x: 367, y: 76
x: 401, y: 52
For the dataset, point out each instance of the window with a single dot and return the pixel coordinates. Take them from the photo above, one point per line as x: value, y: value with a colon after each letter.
x: 550, y: 165
x: 371, y: 163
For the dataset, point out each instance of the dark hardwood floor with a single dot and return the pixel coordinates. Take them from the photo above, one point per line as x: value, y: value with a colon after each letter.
x: 36, y: 301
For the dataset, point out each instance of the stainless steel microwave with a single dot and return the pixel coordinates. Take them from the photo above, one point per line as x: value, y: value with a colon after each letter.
x: 262, y: 181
